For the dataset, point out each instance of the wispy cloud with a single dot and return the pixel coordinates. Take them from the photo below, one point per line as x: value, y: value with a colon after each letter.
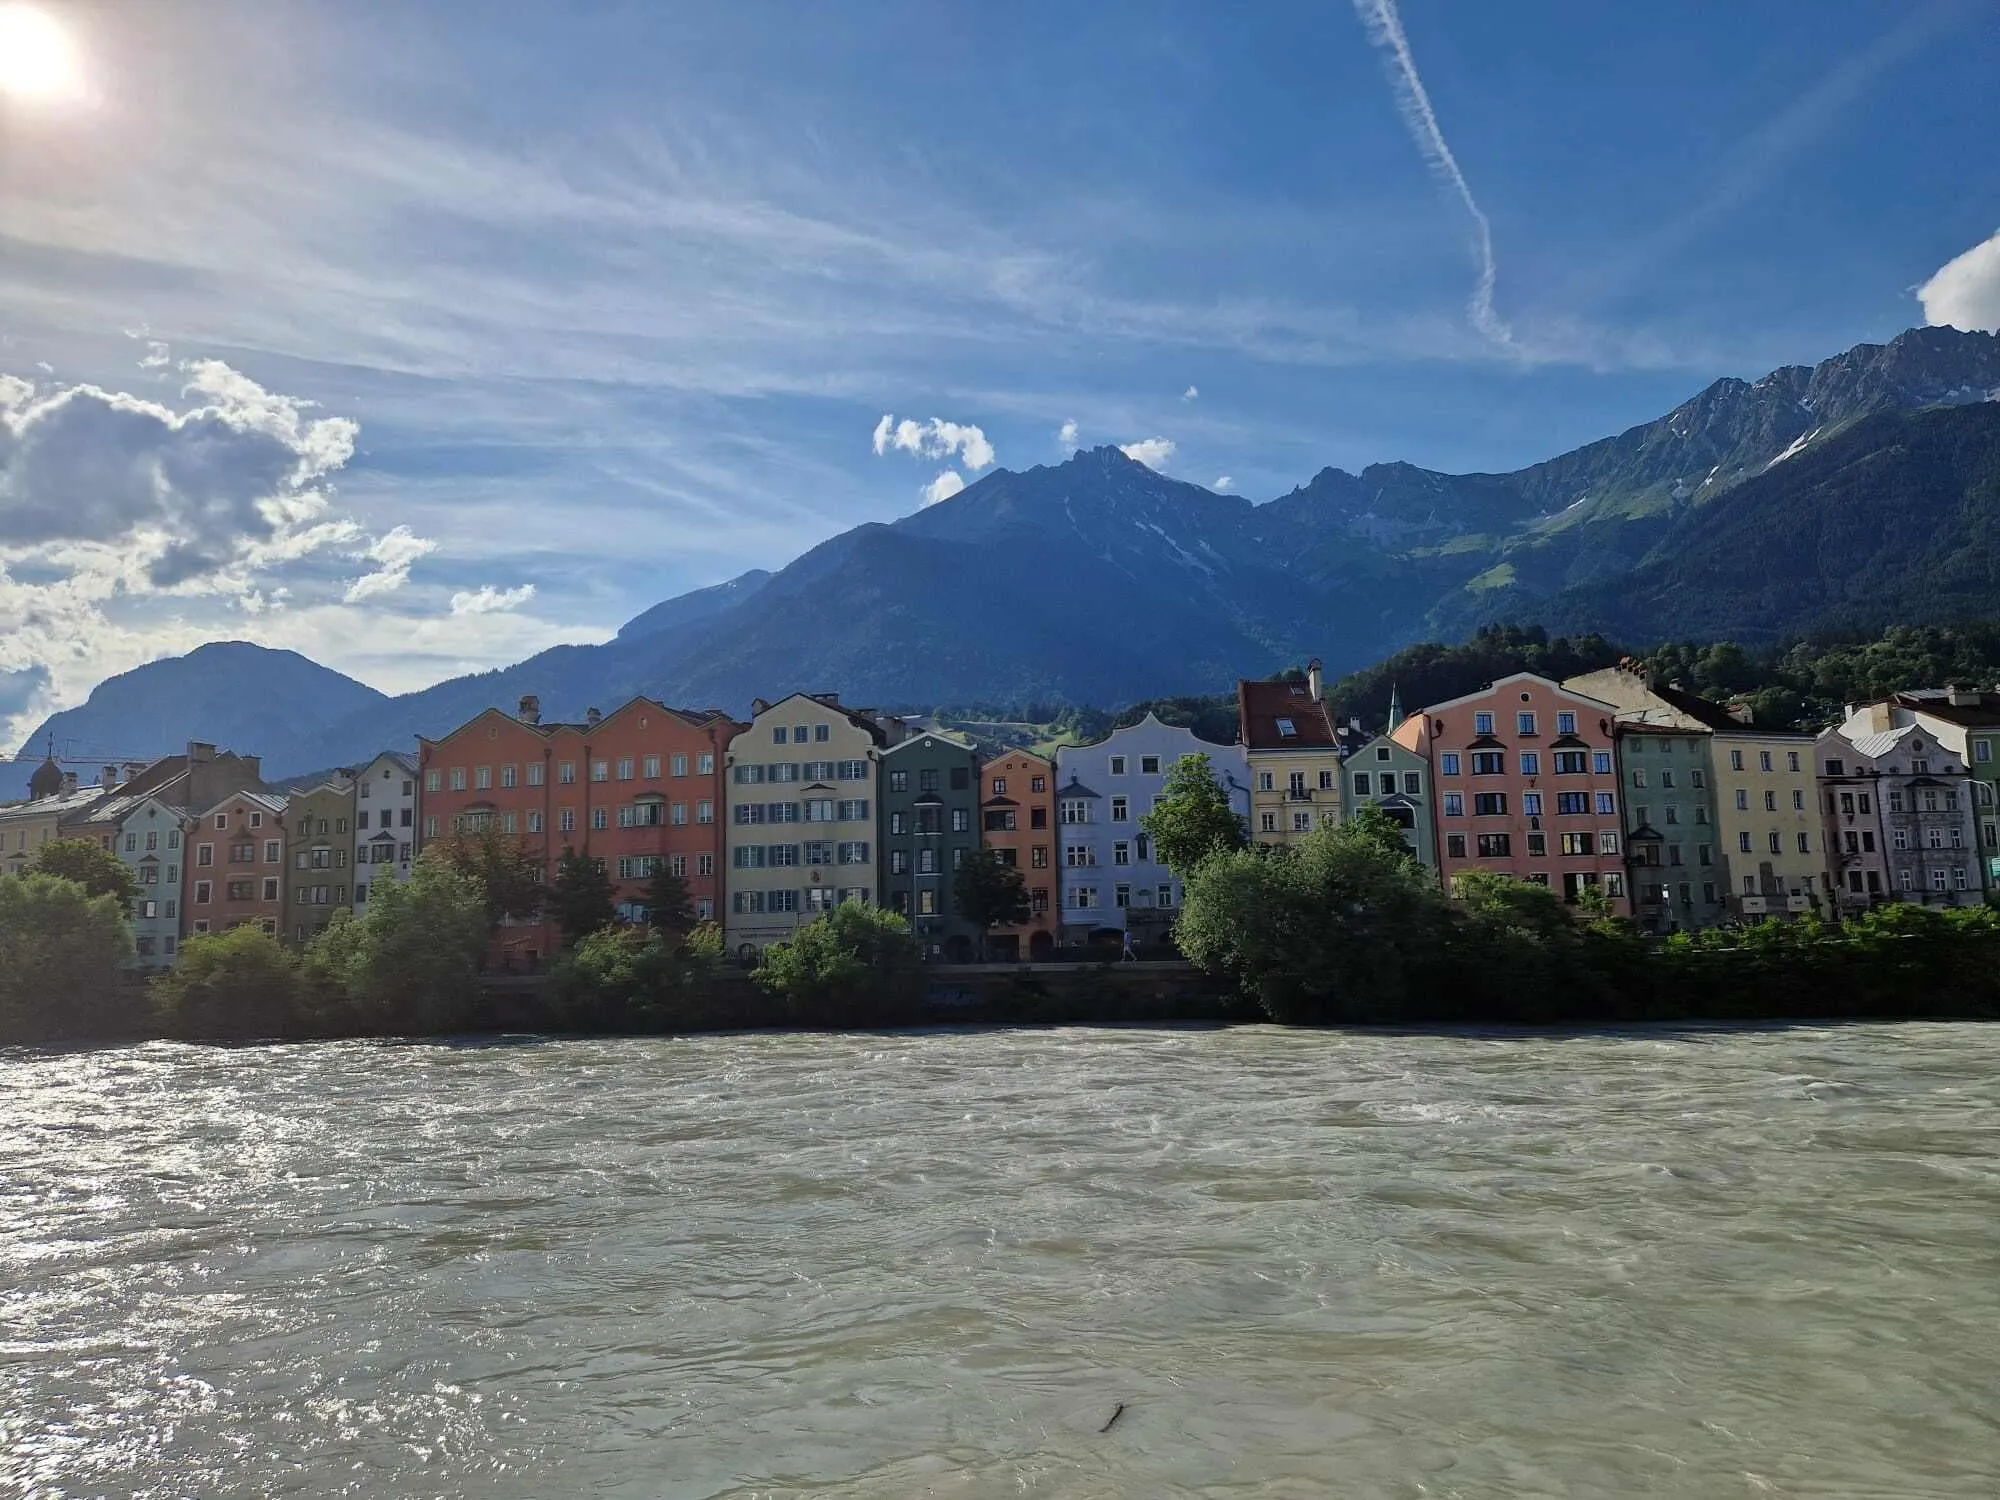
x: 934, y: 439
x: 1066, y: 437
x: 1153, y: 452
x: 1965, y: 291
x: 396, y: 552
x: 1192, y: 393
x: 1225, y: 484
x: 1385, y: 27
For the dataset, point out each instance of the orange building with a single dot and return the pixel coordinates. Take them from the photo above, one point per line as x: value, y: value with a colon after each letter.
x: 235, y: 871
x: 1017, y: 819
x: 634, y: 788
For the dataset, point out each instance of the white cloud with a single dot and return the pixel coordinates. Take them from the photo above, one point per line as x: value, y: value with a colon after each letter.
x: 1153, y: 452
x: 1191, y: 393
x: 396, y: 551
x: 156, y: 357
x: 245, y: 468
x: 1066, y: 436
x: 943, y: 487
x: 1385, y: 27
x: 1965, y: 291
x: 934, y: 439
x: 488, y: 600
x: 1225, y: 483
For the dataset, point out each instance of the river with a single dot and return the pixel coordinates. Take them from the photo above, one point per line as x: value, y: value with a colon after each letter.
x: 1687, y: 1263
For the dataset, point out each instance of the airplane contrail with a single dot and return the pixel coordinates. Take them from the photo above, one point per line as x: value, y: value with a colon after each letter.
x: 1385, y: 27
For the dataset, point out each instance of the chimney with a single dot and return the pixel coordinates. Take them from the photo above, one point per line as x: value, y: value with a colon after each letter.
x: 592, y: 717
x: 108, y: 777
x: 1959, y: 695
x: 758, y: 705
x: 1354, y: 725
x: 69, y: 783
x: 198, y: 752
x: 1315, y: 679
x: 531, y: 709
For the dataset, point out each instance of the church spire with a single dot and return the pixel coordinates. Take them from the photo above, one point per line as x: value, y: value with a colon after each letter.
x: 1395, y: 707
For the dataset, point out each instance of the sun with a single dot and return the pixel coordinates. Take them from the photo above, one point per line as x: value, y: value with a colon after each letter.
x: 37, y: 58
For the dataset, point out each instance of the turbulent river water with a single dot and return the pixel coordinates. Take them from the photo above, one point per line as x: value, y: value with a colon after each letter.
x: 1691, y: 1263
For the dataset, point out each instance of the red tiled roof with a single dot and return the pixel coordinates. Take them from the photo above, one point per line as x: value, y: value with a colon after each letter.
x: 1264, y: 708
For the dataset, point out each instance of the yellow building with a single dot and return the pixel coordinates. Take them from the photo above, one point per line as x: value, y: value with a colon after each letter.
x: 55, y: 798
x: 1293, y: 749
x: 802, y: 790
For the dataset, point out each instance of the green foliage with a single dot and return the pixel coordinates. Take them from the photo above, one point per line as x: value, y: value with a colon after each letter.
x: 90, y: 865
x: 1193, y: 819
x: 855, y: 961
x: 411, y: 963
x: 1338, y: 926
x: 232, y: 985
x: 1432, y: 672
x: 508, y: 879
x: 990, y: 894
x: 631, y: 978
x: 61, y: 949
x: 581, y: 898
x: 669, y: 909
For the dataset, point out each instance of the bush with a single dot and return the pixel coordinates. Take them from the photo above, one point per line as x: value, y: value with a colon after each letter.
x: 411, y: 964
x: 61, y: 953
x: 856, y: 963
x: 630, y: 978
x: 232, y: 985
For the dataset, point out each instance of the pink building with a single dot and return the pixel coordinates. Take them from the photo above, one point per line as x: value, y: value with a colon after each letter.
x: 1526, y: 780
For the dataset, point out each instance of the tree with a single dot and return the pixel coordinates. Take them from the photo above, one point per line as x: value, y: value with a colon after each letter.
x: 1194, y: 818
x: 990, y: 894
x: 669, y: 911
x: 61, y: 950
x: 849, y: 965
x: 412, y: 963
x: 631, y: 978
x: 90, y: 865
x: 231, y: 985
x: 581, y: 899
x: 509, y: 880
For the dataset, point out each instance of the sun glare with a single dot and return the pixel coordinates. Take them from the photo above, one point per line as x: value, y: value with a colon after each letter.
x: 37, y: 58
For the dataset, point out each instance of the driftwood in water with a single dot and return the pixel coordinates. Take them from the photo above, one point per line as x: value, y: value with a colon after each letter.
x: 1114, y: 1417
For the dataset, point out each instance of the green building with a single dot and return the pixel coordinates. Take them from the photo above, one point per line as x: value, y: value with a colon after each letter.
x: 928, y: 824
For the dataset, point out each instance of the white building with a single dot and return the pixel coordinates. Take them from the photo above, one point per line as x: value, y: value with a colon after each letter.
x: 385, y: 822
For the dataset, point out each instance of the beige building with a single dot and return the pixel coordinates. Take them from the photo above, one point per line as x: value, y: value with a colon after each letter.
x: 26, y: 826
x: 1294, y: 754
x: 1769, y: 848
x: 802, y: 792
x: 319, y: 838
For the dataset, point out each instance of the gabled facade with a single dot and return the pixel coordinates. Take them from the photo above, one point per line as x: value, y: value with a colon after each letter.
x: 385, y: 822
x: 1899, y: 813
x: 629, y: 789
x: 146, y: 832
x: 1111, y: 879
x: 1384, y: 774
x: 928, y: 821
x: 319, y: 844
x: 26, y: 826
x: 1017, y: 814
x: 802, y: 786
x: 1527, y: 786
x: 236, y: 876
x: 1293, y: 754
x: 1678, y: 881
x: 1967, y: 722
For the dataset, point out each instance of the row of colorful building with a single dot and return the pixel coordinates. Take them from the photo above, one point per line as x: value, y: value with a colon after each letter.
x: 1675, y: 810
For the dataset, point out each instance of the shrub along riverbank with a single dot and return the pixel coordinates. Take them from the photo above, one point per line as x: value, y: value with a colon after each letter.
x: 1344, y: 928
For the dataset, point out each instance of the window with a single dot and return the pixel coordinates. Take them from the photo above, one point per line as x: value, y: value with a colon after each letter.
x: 961, y: 820
x: 222, y: 820
x: 1413, y: 783
x: 1489, y: 805
x: 1743, y: 842
x: 456, y: 776
x: 1607, y: 804
x: 1531, y: 763
x: 1120, y: 810
x: 1083, y: 897
x: 1538, y: 845
x: 1531, y: 804
x: 854, y: 852
x: 433, y: 782
x: 1267, y: 781
x: 1074, y: 810
x: 1836, y: 768
x: 1895, y: 801
x: 1937, y: 879
x: 566, y: 773
x: 1038, y: 857
x: 1362, y: 784
x: 1704, y: 854
x: 1770, y: 802
x: 1572, y: 763
x: 1448, y: 763
x: 1326, y: 781
x: 1287, y: 729
x: 566, y: 820
x: 1575, y: 843
x: 1639, y: 777
x: 1982, y: 751
x: 1267, y: 822
x: 1482, y: 723
x: 482, y: 778
x: 1001, y: 820
x: 1038, y: 784
x: 1698, y: 779
x: 899, y: 781
x: 1117, y: 765
x: 599, y: 819
x: 1149, y: 765
x: 1764, y: 760
x: 202, y: 890
x: 1571, y: 803
x: 1524, y: 723
x: 600, y: 770
x: 1958, y: 882
x: 1495, y: 845
x: 1454, y: 846
x: 1454, y: 804
x: 822, y: 733
x: 1076, y: 856
x: 1489, y: 763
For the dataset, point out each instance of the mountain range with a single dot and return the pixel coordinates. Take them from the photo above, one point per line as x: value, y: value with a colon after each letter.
x: 1848, y: 494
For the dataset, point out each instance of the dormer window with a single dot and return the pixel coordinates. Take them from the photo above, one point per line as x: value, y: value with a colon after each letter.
x: 1287, y: 729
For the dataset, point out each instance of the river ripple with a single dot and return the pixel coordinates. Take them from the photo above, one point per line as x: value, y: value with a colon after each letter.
x: 1733, y: 1262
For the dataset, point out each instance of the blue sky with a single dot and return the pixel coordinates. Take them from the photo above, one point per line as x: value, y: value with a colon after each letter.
x: 546, y: 312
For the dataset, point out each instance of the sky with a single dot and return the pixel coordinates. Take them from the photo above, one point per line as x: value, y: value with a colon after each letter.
x: 418, y: 336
